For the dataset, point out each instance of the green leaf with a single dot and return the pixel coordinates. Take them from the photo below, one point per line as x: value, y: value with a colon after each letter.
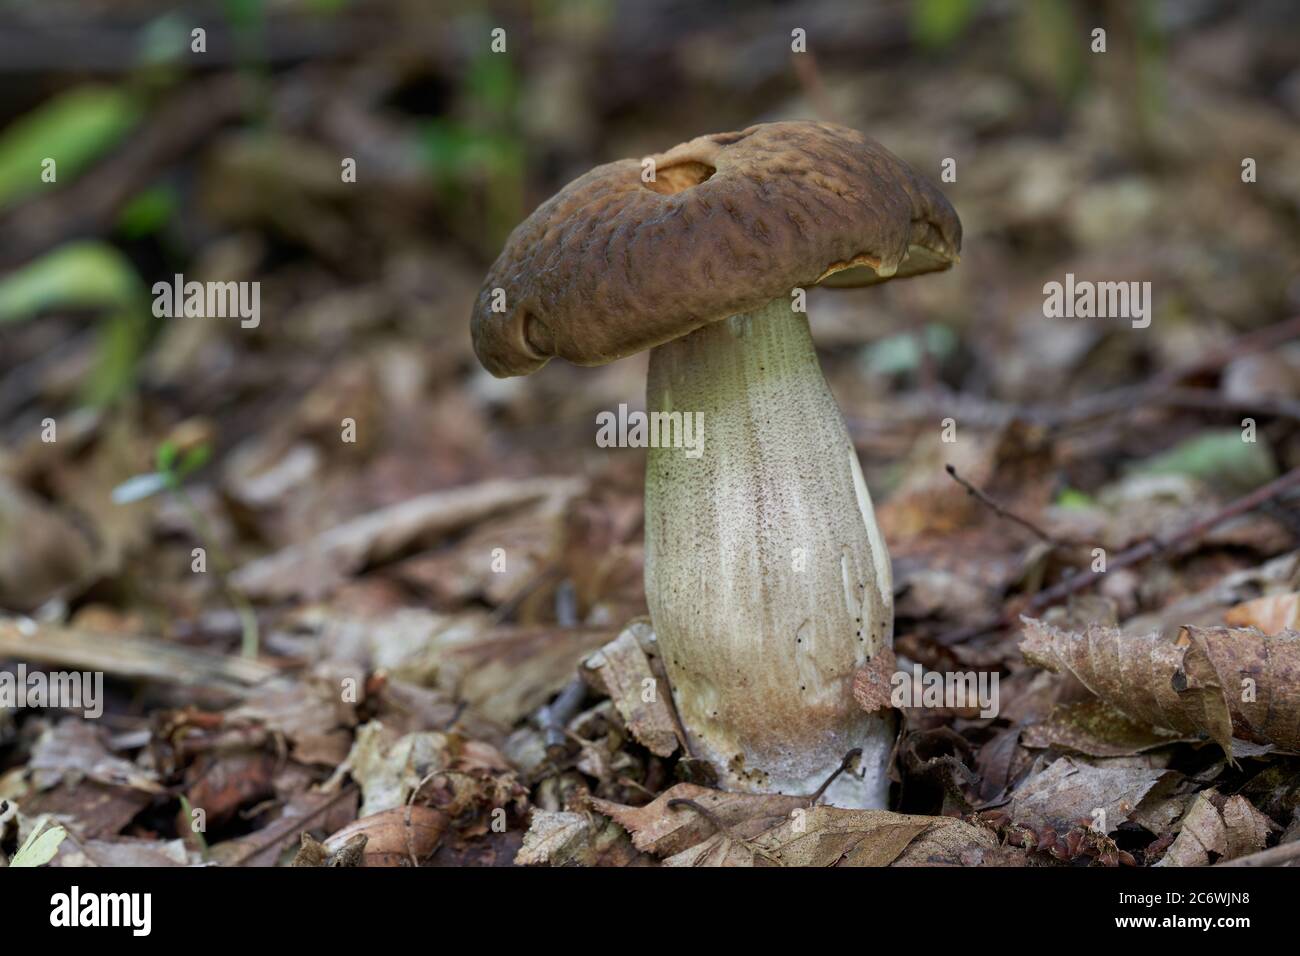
x: 1074, y: 499
x: 77, y: 275
x: 73, y: 129
x: 148, y: 212
x: 163, y: 41
x: 936, y: 23
x: 491, y: 84
x: 165, y: 457
x: 900, y: 353
x: 1218, y: 457
x: 40, y: 846
x: 122, y: 337
x: 82, y: 275
x: 193, y: 460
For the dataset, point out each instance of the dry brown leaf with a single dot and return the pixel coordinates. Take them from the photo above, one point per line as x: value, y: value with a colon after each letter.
x: 1225, y: 828
x: 456, y: 775
x: 552, y: 836
x: 1158, y: 816
x: 831, y: 836
x: 561, y: 837
x: 124, y: 851
x: 1094, y: 728
x: 126, y: 655
x: 401, y: 836
x: 42, y: 553
x: 1214, y: 680
x: 530, y: 540
x: 623, y: 669
x: 74, y: 749
x: 223, y: 781
x: 389, y: 767
x: 314, y: 568
x: 508, y: 672
x: 311, y: 713
x: 1009, y: 463
x: 1272, y: 614
x: 97, y: 809
x: 664, y: 831
x: 717, y: 828
x: 1070, y: 791
x: 950, y: 842
x: 502, y: 673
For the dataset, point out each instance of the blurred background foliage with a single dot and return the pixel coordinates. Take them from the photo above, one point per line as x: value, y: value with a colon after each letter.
x: 225, y: 164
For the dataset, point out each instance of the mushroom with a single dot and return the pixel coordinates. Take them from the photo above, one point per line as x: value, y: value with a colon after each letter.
x: 767, y: 579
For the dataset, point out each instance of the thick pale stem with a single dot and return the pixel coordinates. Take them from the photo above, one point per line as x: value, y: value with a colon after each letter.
x: 767, y: 579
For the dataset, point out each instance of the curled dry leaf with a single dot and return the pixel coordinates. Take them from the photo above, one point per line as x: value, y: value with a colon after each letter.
x: 1094, y: 728
x: 402, y: 836
x: 694, y: 826
x: 1216, y: 681
x: 1070, y: 791
x: 73, y: 749
x: 1216, y: 828
x: 562, y: 837
x: 458, y: 776
x: 1272, y: 614
x: 310, y: 713
x: 664, y: 831
x: 642, y: 699
x: 389, y: 767
x: 831, y: 836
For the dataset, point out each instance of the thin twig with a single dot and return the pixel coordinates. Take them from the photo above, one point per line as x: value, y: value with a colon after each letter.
x: 527, y: 590
x: 721, y: 827
x: 847, y: 763
x: 1134, y: 555
x: 1005, y: 513
x: 1165, y: 385
x: 551, y: 718
x: 259, y: 843
x: 1164, y: 389
x: 1149, y: 549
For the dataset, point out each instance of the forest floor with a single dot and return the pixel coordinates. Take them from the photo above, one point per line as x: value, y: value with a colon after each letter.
x: 339, y: 582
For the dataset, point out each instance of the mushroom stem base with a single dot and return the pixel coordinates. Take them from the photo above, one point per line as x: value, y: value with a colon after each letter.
x: 767, y: 579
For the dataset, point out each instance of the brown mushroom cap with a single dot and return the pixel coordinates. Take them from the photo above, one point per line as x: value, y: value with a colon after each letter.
x: 611, y: 265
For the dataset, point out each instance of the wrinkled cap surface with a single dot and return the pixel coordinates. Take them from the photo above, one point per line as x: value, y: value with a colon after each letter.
x: 612, y: 264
